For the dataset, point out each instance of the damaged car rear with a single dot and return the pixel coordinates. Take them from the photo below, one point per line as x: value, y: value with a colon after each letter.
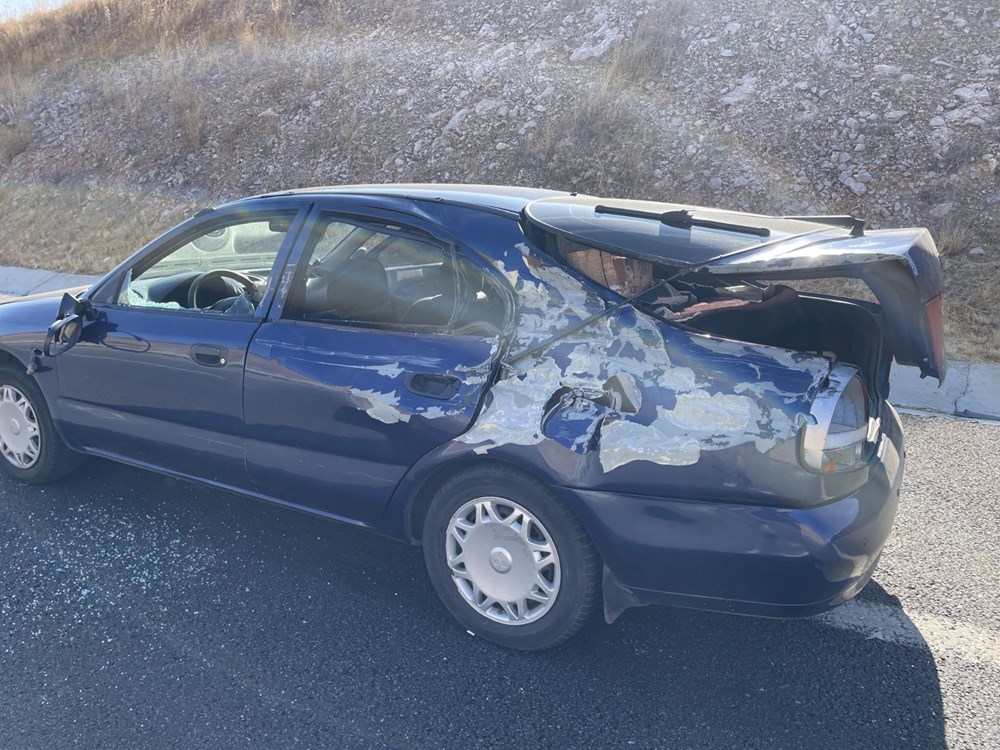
x: 575, y: 404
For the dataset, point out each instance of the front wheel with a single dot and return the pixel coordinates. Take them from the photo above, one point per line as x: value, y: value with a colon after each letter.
x: 510, y: 562
x: 30, y: 448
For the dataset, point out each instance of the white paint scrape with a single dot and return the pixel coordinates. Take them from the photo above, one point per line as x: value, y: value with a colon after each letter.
x: 381, y: 406
x: 615, y: 363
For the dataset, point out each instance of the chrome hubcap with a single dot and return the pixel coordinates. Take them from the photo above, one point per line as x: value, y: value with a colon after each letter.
x: 20, y: 441
x: 502, y: 560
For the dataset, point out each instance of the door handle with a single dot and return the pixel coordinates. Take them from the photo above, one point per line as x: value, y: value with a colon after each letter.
x: 210, y: 355
x: 432, y: 385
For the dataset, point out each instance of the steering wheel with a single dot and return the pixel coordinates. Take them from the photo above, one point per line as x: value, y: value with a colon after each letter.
x: 219, y: 273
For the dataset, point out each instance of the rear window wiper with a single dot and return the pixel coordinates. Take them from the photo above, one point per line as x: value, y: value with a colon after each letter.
x: 683, y: 219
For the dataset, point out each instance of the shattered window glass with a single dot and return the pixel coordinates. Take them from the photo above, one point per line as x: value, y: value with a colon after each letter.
x: 225, y: 269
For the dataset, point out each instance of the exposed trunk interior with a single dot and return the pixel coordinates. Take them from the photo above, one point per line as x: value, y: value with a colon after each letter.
x: 624, y: 244
x: 848, y: 330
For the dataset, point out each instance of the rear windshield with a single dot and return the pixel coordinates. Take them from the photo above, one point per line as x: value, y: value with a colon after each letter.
x: 575, y: 218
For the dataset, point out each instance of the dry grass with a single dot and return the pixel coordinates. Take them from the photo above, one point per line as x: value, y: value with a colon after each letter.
x: 16, y: 94
x: 79, y: 230
x: 851, y: 288
x: 972, y: 306
x: 189, y: 106
x: 92, y: 32
x: 86, y: 31
x: 655, y: 45
x: 601, y: 144
x: 598, y: 146
x: 972, y: 283
x: 14, y: 140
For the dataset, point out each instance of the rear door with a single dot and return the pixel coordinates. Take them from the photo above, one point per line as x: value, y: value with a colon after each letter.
x: 380, y: 351
x: 900, y: 266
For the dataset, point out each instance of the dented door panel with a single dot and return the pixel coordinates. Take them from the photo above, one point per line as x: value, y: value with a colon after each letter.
x: 334, y: 419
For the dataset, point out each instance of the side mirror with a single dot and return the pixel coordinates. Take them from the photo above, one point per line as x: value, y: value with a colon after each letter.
x: 70, y: 305
x: 68, y: 326
x: 62, y: 335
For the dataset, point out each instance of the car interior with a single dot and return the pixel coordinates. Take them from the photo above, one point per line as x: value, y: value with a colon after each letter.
x: 379, y: 275
x: 225, y: 271
x: 388, y: 276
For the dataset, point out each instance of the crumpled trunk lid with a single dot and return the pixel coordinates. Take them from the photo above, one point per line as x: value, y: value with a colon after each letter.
x: 900, y: 266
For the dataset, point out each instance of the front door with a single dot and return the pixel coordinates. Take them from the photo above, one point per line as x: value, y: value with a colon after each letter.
x: 157, y: 379
x: 382, y: 352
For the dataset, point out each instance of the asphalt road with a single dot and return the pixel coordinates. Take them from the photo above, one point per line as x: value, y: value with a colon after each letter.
x: 141, y: 612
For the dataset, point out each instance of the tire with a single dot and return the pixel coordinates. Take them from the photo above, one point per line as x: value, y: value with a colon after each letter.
x: 40, y: 457
x: 509, y: 561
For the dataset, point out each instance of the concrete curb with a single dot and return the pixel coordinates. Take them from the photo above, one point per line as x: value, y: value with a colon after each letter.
x: 971, y: 389
x: 20, y: 282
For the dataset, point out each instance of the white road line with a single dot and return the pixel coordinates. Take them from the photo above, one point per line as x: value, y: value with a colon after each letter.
x: 941, y: 634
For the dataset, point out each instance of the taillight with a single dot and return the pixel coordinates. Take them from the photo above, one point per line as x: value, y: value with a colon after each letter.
x: 834, y: 441
x: 935, y: 321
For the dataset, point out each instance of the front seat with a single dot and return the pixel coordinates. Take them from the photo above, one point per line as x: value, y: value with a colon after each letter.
x: 359, y: 290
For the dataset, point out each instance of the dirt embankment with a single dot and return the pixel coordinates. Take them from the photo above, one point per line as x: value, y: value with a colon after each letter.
x: 117, y: 118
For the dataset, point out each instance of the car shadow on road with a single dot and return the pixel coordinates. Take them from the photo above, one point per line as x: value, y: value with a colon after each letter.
x: 343, y: 627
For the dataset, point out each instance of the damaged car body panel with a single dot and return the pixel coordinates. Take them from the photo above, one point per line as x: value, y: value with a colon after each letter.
x: 629, y: 388
x: 636, y: 420
x: 370, y: 402
x: 724, y: 442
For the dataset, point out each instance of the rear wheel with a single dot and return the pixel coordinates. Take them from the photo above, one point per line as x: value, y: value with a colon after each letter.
x: 30, y: 448
x: 510, y: 562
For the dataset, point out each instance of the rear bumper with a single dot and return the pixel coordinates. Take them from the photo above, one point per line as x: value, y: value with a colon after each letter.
x: 745, y: 559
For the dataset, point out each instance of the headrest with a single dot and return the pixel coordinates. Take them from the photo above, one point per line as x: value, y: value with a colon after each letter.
x: 359, y: 289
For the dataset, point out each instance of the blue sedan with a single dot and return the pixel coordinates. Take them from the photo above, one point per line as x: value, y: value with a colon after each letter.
x: 575, y: 404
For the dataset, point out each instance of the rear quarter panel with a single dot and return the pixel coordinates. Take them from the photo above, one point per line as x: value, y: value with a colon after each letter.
x: 630, y: 404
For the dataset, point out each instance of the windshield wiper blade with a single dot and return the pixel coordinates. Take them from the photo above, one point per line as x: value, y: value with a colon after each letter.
x: 683, y: 219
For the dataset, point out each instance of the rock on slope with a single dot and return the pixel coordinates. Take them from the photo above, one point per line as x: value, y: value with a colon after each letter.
x: 818, y: 105
x: 885, y: 109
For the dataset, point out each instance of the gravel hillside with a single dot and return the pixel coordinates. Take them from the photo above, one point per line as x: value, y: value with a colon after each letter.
x: 888, y: 110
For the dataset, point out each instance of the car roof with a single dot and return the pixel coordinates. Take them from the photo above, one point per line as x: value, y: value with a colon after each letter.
x: 495, y: 197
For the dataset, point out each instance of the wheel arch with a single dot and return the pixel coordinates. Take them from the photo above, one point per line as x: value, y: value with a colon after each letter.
x: 418, y: 498
x: 7, y: 357
x: 44, y: 380
x: 58, y: 459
